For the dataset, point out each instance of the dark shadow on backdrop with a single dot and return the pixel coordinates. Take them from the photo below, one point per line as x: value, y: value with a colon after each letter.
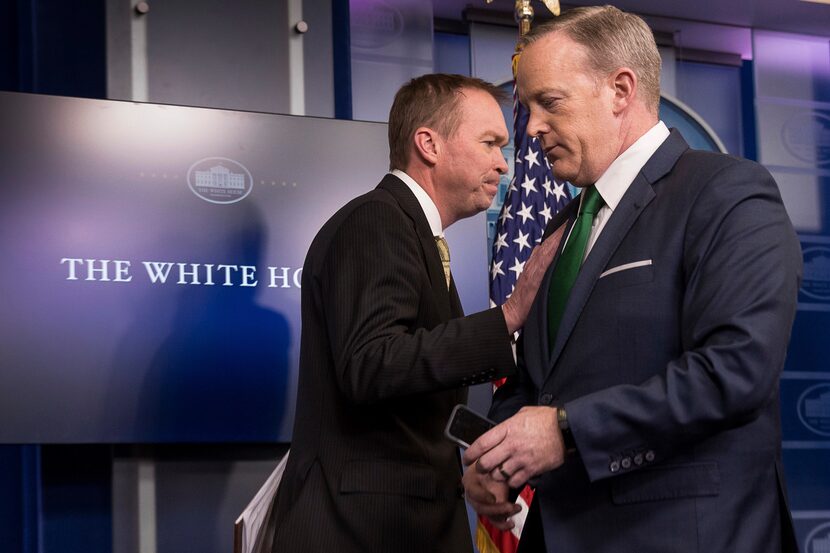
x: 220, y: 372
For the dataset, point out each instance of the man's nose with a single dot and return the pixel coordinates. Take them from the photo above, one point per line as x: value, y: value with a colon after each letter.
x: 501, y: 163
x: 535, y: 125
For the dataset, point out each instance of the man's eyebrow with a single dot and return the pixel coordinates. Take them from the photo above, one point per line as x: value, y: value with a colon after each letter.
x: 496, y: 136
x: 555, y: 91
x: 524, y: 97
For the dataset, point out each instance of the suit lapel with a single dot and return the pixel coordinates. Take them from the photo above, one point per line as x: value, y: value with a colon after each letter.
x: 535, y: 330
x: 456, y: 310
x: 638, y: 195
x: 633, y: 202
x: 409, y: 204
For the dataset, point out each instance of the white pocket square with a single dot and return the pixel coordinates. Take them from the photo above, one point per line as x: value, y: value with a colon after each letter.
x: 625, y: 267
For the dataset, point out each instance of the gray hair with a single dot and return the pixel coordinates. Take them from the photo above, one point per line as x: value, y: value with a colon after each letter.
x: 613, y: 39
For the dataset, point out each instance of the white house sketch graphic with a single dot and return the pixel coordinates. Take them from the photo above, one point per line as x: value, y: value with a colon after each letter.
x: 220, y: 177
x: 818, y: 408
x: 821, y: 545
x: 818, y: 268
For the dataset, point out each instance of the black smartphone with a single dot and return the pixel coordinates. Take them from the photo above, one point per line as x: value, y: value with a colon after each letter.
x: 465, y: 426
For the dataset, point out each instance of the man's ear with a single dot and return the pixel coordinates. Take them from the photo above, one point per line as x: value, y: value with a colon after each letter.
x: 624, y: 82
x: 427, y: 145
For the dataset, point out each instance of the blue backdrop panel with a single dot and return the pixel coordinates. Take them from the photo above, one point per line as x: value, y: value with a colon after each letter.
x: 807, y: 343
x: 808, y: 479
x: 813, y: 530
x: 151, y: 259
x: 805, y: 416
x: 805, y: 401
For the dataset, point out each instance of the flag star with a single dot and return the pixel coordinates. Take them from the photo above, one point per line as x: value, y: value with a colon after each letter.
x: 496, y: 270
x: 525, y: 212
x: 528, y: 184
x: 517, y: 267
x: 559, y: 190
x: 531, y: 158
x: 522, y: 240
x: 519, y: 225
x: 501, y: 241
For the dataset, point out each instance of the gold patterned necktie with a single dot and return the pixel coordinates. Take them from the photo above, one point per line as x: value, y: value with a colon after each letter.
x: 444, y: 252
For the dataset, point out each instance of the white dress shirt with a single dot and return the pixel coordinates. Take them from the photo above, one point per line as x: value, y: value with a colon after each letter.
x: 613, y: 184
x: 427, y: 205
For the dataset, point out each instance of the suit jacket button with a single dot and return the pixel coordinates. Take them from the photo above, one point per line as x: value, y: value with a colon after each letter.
x: 614, y: 466
x: 546, y: 399
x: 649, y: 456
x: 626, y: 463
x: 638, y: 459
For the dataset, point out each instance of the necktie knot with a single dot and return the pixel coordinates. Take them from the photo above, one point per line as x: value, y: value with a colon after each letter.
x: 592, y: 202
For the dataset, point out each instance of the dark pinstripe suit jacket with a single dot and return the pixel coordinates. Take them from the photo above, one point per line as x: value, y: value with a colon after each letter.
x: 385, y: 355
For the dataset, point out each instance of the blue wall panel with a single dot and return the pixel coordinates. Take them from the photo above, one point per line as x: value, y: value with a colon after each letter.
x: 53, y: 47
x: 76, y: 499
x: 11, y: 499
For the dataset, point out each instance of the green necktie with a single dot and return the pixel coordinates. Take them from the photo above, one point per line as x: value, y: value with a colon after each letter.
x: 570, y: 260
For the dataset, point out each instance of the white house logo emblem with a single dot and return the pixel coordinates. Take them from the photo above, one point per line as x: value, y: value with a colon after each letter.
x: 816, y: 282
x: 219, y: 180
x: 807, y: 137
x: 814, y: 409
x: 818, y: 541
x: 375, y: 24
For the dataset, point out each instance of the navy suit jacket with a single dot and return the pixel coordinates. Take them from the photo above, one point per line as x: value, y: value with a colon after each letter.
x: 385, y: 354
x: 667, y: 362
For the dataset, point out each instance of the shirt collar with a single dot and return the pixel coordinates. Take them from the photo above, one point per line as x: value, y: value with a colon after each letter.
x: 427, y: 205
x: 623, y: 170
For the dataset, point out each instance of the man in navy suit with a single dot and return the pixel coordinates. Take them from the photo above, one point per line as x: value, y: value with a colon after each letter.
x: 646, y: 409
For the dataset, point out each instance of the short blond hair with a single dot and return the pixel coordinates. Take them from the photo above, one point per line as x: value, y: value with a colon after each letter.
x: 613, y: 39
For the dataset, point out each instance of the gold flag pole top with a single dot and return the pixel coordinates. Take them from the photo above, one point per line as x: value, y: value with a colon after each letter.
x: 524, y: 13
x: 524, y: 16
x: 553, y: 6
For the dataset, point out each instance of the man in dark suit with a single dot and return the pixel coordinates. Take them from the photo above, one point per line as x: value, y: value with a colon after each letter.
x: 385, y: 351
x: 646, y: 409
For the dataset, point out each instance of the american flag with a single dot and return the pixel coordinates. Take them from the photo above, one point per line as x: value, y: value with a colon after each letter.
x: 532, y: 199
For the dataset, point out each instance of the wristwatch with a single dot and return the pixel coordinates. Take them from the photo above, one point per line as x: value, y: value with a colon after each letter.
x: 565, y: 429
